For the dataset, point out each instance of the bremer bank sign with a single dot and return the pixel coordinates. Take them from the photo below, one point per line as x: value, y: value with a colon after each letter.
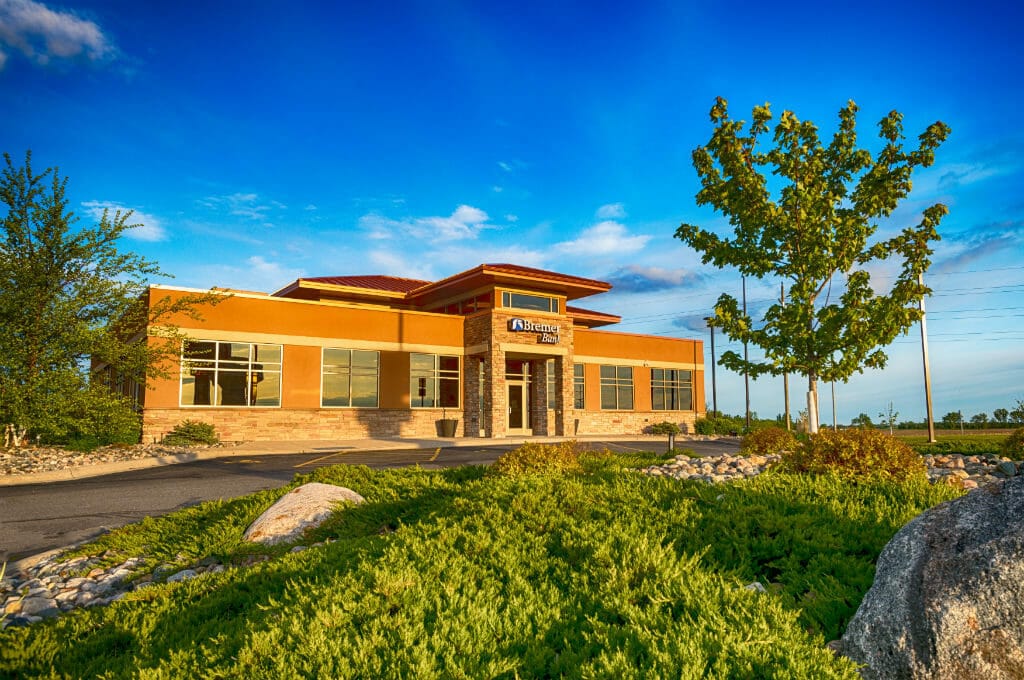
x: 547, y: 333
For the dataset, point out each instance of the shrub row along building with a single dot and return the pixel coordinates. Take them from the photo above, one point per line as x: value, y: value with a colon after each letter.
x: 489, y: 352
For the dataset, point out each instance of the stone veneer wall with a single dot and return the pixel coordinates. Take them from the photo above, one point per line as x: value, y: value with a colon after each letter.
x: 270, y: 424
x: 627, y: 422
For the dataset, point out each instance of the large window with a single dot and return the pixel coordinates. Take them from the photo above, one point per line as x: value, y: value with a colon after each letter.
x: 215, y: 373
x: 433, y: 381
x: 617, y: 387
x: 579, y: 387
x: 350, y: 378
x: 537, y: 303
x: 671, y: 389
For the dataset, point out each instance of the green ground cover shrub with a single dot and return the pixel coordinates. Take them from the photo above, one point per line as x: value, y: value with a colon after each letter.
x: 665, y: 428
x: 767, y: 441
x: 860, y: 452
x: 1013, y: 447
x: 461, y: 573
x: 968, y: 445
x: 190, y: 432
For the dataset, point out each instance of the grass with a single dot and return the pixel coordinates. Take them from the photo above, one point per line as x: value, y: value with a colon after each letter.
x: 467, y: 574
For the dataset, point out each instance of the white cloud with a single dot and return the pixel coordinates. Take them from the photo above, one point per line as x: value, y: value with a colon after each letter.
x: 250, y: 206
x: 150, y: 229
x: 611, y: 211
x: 393, y: 264
x: 507, y: 167
x: 311, y: 206
x: 511, y: 218
x: 497, y: 189
x: 604, y: 238
x: 465, y: 223
x: 257, y: 274
x: 41, y: 33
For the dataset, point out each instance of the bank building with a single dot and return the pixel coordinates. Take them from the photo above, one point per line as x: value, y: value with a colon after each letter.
x: 498, y: 350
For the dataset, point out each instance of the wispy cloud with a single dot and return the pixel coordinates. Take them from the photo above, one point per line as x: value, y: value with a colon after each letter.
x: 639, y: 279
x: 150, y: 228
x: 507, y: 167
x: 983, y: 241
x: 249, y: 206
x: 611, y: 211
x: 256, y: 274
x: 604, y: 238
x: 465, y: 222
x: 42, y: 34
x: 960, y: 174
x: 692, y: 322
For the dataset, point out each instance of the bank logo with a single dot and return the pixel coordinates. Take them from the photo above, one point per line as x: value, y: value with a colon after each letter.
x: 517, y: 325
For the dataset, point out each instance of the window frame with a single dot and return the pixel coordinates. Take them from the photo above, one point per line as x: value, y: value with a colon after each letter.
x: 621, y: 379
x: 352, y: 372
x: 507, y: 298
x: 579, y: 387
x: 219, y: 365
x: 435, y: 378
x: 670, y: 381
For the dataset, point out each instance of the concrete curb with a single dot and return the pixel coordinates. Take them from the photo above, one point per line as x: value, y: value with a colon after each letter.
x: 305, y: 446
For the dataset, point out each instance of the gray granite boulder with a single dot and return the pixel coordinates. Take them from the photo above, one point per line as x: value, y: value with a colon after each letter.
x: 298, y: 510
x: 948, y: 596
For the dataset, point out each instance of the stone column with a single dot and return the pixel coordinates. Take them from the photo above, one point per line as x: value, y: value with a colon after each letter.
x: 539, y: 396
x: 564, y: 411
x: 495, y: 392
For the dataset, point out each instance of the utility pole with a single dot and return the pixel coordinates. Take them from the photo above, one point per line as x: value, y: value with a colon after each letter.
x: 714, y: 387
x: 785, y: 375
x: 746, y: 358
x: 927, y: 370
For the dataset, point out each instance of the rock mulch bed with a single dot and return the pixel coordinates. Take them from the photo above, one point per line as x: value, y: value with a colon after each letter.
x: 56, y: 585
x: 968, y: 472
x: 31, y: 459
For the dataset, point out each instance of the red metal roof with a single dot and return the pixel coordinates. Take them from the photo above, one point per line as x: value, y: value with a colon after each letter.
x: 579, y: 311
x: 544, y: 273
x: 372, y: 282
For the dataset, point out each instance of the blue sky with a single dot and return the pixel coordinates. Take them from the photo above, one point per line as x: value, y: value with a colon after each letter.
x: 259, y: 142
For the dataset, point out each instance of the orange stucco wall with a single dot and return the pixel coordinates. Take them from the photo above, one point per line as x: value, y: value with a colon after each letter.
x: 303, y: 328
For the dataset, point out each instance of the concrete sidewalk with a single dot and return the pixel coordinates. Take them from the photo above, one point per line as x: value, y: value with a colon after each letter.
x: 323, y: 446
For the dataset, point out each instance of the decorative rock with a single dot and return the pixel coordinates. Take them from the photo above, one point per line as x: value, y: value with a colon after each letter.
x: 948, y: 596
x: 1007, y: 468
x: 183, y: 575
x: 300, y: 509
x: 39, y: 606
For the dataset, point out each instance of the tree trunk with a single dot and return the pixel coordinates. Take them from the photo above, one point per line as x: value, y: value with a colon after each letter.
x: 812, y: 405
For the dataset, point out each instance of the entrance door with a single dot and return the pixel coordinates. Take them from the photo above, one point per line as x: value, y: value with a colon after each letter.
x: 519, y: 408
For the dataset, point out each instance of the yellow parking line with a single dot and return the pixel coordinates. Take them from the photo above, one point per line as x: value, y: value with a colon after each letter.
x: 434, y: 457
x: 317, y: 460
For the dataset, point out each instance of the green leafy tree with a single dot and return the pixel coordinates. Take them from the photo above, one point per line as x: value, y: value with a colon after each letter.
x: 863, y: 420
x: 812, y: 225
x: 71, y: 302
x: 979, y: 420
x: 1017, y: 413
x: 1001, y: 415
x: 951, y: 420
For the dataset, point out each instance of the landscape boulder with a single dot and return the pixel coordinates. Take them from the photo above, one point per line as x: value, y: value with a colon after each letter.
x: 948, y: 595
x: 300, y: 509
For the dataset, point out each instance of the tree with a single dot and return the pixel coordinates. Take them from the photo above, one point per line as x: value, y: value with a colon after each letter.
x: 815, y: 232
x: 1017, y: 414
x: 889, y: 417
x: 71, y: 301
x: 1001, y: 415
x: 979, y: 420
x: 951, y: 420
x: 863, y: 420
